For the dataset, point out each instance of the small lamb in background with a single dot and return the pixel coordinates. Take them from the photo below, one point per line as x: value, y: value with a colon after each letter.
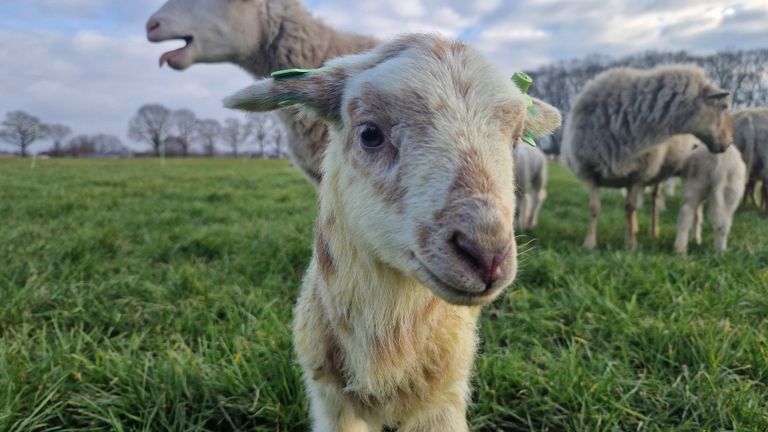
x: 531, y: 178
x: 719, y: 178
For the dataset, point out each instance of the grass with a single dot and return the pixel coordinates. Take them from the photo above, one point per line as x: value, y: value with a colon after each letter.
x: 136, y: 296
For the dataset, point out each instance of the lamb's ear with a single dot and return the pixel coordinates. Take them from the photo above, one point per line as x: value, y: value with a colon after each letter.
x: 319, y: 90
x: 542, y: 119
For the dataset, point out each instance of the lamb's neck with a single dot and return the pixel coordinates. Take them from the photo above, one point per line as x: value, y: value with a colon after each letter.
x: 293, y: 38
x: 363, y: 289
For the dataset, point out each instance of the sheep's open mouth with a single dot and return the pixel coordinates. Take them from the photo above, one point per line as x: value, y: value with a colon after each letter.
x: 172, y: 57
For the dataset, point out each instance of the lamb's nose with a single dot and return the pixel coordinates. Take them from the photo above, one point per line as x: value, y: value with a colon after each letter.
x: 153, y: 24
x: 488, y: 265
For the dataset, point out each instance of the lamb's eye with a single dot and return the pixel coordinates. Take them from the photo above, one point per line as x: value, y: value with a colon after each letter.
x: 371, y: 136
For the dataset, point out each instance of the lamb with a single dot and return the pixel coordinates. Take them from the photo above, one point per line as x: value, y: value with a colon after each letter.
x: 622, y: 115
x: 260, y: 36
x: 719, y: 177
x: 531, y: 177
x: 414, y: 232
x: 750, y: 127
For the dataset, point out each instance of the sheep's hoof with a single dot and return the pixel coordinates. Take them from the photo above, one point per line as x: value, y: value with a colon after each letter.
x: 590, y: 244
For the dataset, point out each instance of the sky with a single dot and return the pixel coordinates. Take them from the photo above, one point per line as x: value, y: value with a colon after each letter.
x: 87, y: 64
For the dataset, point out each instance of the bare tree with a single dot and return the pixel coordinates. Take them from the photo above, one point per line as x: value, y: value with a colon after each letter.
x: 261, y: 125
x: 151, y: 125
x: 80, y: 145
x: 209, y: 132
x: 108, y: 144
x: 22, y: 130
x: 58, y: 133
x: 185, y: 124
x: 235, y: 133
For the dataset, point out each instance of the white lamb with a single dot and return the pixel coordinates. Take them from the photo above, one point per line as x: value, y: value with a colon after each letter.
x: 260, y: 36
x: 531, y: 189
x: 720, y: 178
x: 414, y: 231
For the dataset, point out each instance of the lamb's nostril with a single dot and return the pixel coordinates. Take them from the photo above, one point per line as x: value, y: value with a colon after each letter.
x: 487, y: 265
x: 152, y: 25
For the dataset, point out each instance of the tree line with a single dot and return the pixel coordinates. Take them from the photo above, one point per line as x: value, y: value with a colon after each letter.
x: 181, y: 133
x: 744, y: 73
x: 167, y: 133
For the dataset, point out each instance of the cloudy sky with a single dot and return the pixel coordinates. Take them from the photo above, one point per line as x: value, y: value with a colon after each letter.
x: 87, y: 64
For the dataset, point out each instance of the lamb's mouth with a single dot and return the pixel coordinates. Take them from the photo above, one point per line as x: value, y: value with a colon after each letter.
x: 175, y: 58
x: 449, y: 293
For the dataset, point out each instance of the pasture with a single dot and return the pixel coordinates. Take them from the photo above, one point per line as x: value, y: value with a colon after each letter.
x: 141, y: 296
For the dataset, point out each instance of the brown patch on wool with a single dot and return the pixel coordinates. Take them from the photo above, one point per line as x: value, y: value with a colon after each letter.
x: 508, y: 116
x: 471, y: 177
x: 325, y: 261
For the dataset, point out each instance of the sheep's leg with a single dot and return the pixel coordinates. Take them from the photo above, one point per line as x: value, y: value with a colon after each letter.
x: 522, y: 211
x: 669, y: 187
x: 657, y: 198
x: 721, y: 222
x: 698, y: 219
x: 448, y: 419
x: 594, y: 211
x: 764, y: 203
x: 330, y: 413
x: 684, y: 223
x: 538, y: 200
x: 630, y: 239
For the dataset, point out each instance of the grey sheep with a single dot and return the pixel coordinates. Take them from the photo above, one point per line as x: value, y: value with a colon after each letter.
x: 622, y: 114
x: 750, y: 135
x: 261, y: 36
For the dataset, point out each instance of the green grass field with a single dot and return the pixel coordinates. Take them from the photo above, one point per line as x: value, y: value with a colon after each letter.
x: 135, y: 296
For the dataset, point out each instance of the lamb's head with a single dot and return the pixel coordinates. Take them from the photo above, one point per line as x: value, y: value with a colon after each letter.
x: 214, y: 30
x: 419, y: 168
x: 712, y: 122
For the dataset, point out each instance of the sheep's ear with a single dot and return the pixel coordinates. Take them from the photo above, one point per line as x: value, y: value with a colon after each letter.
x: 716, y: 93
x: 319, y: 90
x: 542, y: 119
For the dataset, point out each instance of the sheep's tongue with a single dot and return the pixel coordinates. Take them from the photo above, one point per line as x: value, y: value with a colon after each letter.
x: 169, y: 55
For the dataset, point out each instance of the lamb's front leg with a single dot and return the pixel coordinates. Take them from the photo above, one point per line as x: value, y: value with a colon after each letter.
x: 330, y: 413
x: 444, y: 419
x: 684, y: 223
x: 538, y: 200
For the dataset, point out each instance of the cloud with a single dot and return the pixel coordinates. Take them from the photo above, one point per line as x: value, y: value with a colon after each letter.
x: 95, y: 83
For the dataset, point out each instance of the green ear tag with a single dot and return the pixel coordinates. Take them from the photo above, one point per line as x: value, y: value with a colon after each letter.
x: 290, y: 73
x: 528, y: 139
x: 524, y: 83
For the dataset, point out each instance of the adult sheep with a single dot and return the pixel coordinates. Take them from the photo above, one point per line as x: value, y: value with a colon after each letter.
x: 750, y: 135
x: 414, y: 231
x: 623, y: 114
x: 261, y: 36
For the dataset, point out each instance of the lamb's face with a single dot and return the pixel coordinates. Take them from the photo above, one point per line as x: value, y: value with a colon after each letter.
x: 419, y: 169
x: 712, y: 123
x: 424, y: 166
x: 214, y: 30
